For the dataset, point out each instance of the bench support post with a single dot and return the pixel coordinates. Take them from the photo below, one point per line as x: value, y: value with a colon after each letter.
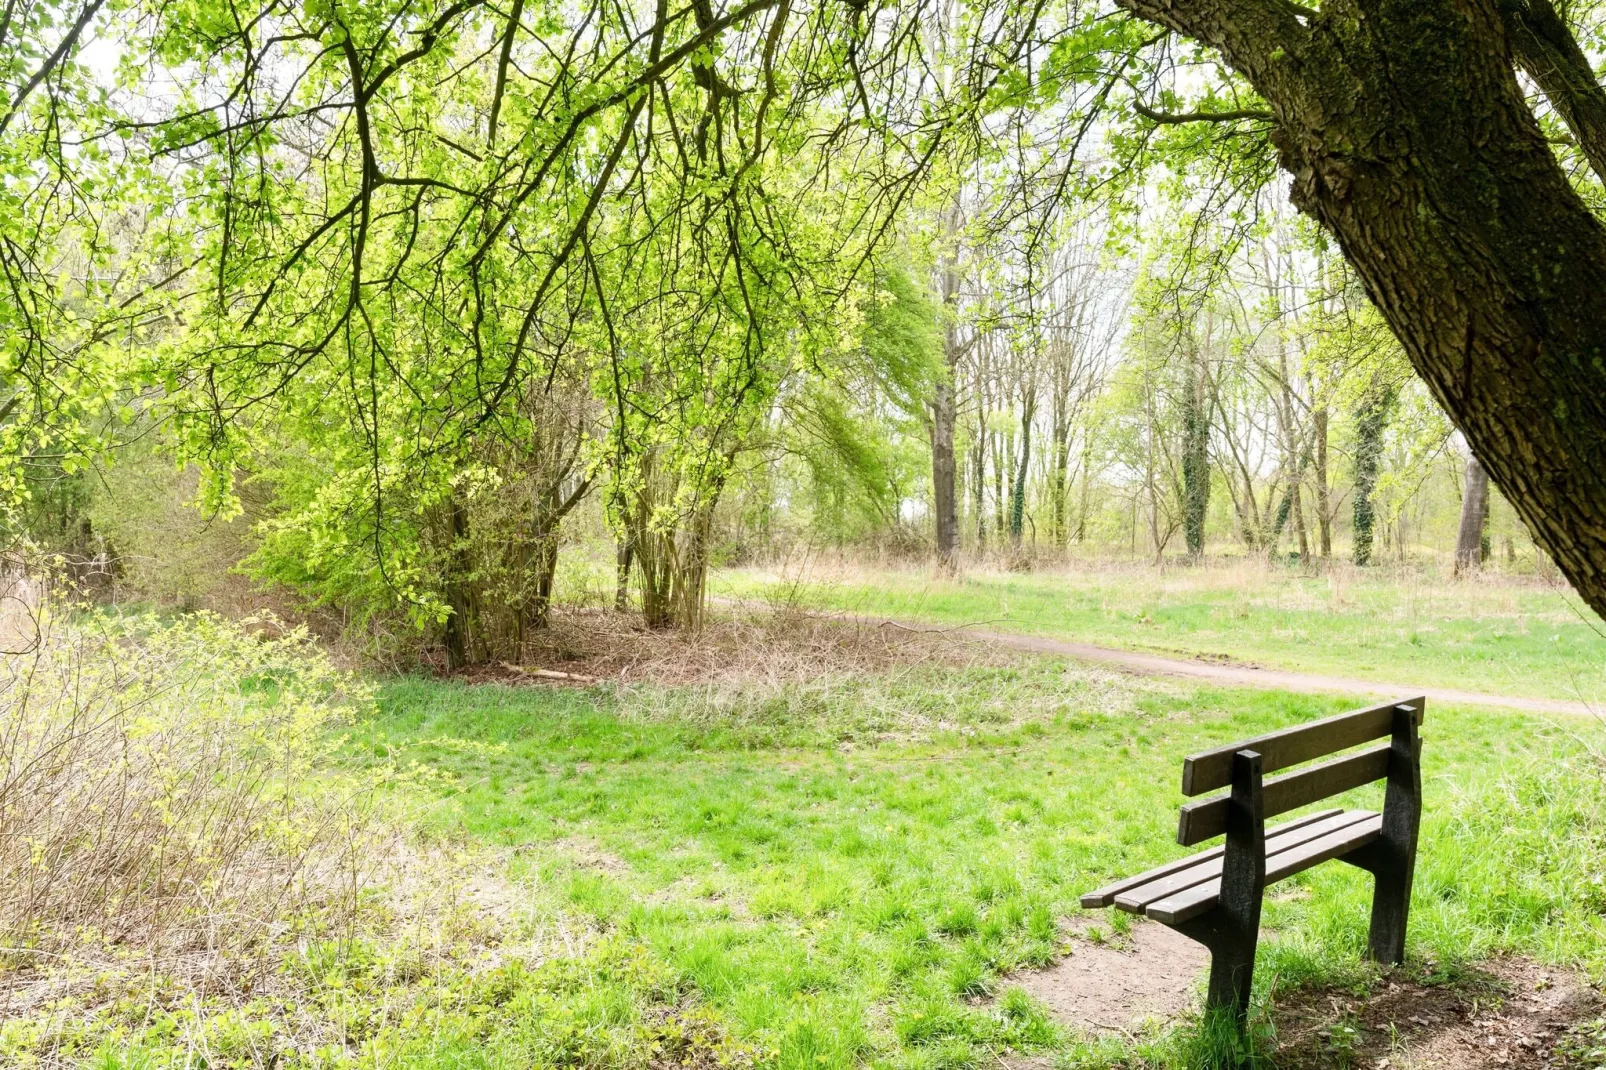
x: 1393, y: 856
x: 1232, y: 930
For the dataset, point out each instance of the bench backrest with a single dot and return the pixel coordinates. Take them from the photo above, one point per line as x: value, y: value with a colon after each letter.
x: 1213, y: 769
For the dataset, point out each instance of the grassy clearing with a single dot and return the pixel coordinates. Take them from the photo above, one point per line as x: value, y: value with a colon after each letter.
x: 823, y: 869
x: 1504, y: 636
x: 841, y: 897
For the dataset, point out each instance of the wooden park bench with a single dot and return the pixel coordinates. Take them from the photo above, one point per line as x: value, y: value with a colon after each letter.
x: 1214, y: 897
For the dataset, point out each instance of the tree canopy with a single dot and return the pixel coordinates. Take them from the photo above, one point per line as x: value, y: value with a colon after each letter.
x: 435, y: 272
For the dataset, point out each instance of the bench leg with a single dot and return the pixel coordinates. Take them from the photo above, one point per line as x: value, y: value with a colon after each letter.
x: 1232, y: 978
x: 1232, y: 929
x: 1232, y: 942
x: 1392, y: 858
x: 1391, y: 900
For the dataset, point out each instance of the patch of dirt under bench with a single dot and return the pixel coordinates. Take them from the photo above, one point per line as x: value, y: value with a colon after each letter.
x: 1511, y: 1013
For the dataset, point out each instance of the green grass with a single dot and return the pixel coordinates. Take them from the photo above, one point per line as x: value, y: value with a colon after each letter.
x: 839, y: 873
x: 1504, y: 637
x: 844, y: 906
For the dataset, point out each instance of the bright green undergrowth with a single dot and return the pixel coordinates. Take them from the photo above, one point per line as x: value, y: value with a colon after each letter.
x: 1503, y: 636
x: 847, y: 872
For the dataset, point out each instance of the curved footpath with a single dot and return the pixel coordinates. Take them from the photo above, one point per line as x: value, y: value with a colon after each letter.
x: 1238, y: 675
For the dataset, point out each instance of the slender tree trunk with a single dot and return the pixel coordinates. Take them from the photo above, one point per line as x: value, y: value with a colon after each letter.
x: 943, y: 476
x: 1087, y: 480
x: 1324, y: 494
x: 655, y: 552
x: 1017, y: 492
x: 1474, y: 515
x: 942, y: 471
x: 622, y: 554
x: 1410, y: 140
x: 1289, y: 505
x: 978, y: 484
x: 1060, y: 491
x: 1299, y: 522
x: 1001, y: 479
x: 1195, y: 457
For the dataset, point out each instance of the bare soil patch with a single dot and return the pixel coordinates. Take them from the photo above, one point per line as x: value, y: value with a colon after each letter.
x: 1512, y: 1013
x: 587, y: 646
x: 1115, y: 984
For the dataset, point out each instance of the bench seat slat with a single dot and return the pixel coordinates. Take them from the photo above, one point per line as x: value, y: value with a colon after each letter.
x: 1191, y: 902
x: 1212, y: 769
x: 1282, y: 838
x: 1106, y: 895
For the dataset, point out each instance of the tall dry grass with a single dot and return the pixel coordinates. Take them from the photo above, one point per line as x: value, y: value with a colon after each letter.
x: 166, y: 785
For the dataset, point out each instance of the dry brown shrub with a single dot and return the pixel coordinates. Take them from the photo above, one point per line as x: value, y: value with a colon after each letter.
x: 166, y: 785
x: 741, y: 644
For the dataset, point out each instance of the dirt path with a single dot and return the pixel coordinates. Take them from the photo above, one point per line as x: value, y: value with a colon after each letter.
x: 1236, y: 675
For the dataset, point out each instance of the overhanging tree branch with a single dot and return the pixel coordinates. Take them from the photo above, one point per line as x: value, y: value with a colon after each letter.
x: 1545, y: 48
x: 1231, y: 116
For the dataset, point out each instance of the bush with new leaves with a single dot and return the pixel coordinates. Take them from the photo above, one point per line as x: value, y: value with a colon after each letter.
x: 165, y: 784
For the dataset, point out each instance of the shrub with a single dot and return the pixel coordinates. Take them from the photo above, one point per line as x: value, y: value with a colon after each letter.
x: 165, y: 783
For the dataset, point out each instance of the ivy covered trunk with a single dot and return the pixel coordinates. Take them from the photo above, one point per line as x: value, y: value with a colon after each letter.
x: 1195, y: 457
x: 1371, y: 417
x: 1017, y: 488
x: 1410, y: 141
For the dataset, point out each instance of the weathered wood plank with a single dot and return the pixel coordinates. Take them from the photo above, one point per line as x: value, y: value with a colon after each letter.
x: 1192, y: 902
x: 1212, y: 769
x: 1200, y: 821
x: 1106, y: 896
x: 1133, y: 900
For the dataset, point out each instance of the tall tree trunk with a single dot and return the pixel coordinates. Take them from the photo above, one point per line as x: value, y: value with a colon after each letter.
x: 1195, y: 457
x: 1324, y: 494
x: 943, y: 476
x: 1087, y: 482
x: 1017, y: 491
x: 1371, y: 417
x: 943, y: 480
x: 1289, y: 506
x: 1299, y: 522
x: 978, y: 484
x: 1410, y: 140
x: 654, y: 551
x: 1001, y: 479
x: 1469, y: 542
x: 1060, y: 490
x: 622, y: 554
x: 1059, y: 478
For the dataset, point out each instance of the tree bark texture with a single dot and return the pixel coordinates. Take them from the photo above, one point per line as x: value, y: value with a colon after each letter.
x: 1324, y: 492
x: 1371, y: 417
x: 1017, y: 489
x: 623, y: 553
x: 1474, y: 514
x: 1195, y: 457
x: 1409, y: 140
